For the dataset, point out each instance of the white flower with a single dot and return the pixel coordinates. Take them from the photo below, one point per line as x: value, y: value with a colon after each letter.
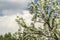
x: 58, y: 7
x: 55, y: 0
x: 53, y: 8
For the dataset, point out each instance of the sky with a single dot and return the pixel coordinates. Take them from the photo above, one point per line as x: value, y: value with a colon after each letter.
x: 9, y: 9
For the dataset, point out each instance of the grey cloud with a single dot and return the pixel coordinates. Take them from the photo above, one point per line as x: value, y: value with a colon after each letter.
x: 12, y: 6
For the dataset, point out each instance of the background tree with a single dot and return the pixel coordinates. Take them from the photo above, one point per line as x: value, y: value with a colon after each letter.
x: 46, y: 12
x: 1, y: 37
x: 7, y: 36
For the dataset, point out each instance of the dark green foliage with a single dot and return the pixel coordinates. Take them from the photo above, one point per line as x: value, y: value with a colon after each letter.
x: 7, y: 36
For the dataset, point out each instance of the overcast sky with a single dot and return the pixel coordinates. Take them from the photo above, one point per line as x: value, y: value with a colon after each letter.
x: 9, y: 9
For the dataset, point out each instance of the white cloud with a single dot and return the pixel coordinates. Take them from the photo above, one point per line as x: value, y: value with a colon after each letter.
x: 8, y: 24
x: 10, y: 12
